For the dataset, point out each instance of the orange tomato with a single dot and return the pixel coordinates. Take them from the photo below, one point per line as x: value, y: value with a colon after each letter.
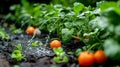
x: 86, y: 59
x: 30, y: 30
x: 100, y: 56
x: 55, y: 44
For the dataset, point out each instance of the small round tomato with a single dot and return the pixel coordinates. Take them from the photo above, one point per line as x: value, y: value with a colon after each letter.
x: 86, y: 59
x: 55, y: 44
x: 100, y: 56
x: 30, y: 30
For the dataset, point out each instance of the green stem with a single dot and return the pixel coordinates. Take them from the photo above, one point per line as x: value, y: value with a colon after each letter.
x: 29, y: 42
x: 55, y: 39
x: 93, y: 46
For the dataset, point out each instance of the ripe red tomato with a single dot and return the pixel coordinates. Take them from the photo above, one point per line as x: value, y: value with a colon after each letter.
x: 30, y: 30
x: 55, y: 44
x: 100, y: 56
x: 86, y: 59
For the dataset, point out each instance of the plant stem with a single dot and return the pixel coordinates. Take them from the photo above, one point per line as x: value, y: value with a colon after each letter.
x: 93, y: 46
x: 29, y: 42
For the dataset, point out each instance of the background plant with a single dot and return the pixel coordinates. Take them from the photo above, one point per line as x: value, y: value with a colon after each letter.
x: 55, y: 19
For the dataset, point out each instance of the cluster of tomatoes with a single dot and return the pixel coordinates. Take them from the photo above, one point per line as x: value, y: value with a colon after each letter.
x: 88, y: 59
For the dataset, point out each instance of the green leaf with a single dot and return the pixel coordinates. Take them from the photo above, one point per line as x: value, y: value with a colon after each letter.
x: 3, y: 34
x: 112, y: 49
x: 17, y: 31
x: 65, y: 59
x: 66, y: 34
x: 112, y: 16
x: 19, y: 47
x: 17, y: 54
x: 68, y: 25
x: 106, y: 6
x: 99, y: 22
x: 58, y: 50
x: 60, y: 55
x: 117, y: 30
x: 57, y: 59
x: 78, y: 7
x: 78, y: 51
x: 60, y: 59
x: 33, y: 44
x: 118, y: 3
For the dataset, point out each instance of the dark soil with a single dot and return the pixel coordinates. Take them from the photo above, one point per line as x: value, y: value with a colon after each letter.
x: 39, y: 56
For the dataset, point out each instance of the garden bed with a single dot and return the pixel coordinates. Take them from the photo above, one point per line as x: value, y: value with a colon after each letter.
x: 41, y: 55
x: 55, y: 35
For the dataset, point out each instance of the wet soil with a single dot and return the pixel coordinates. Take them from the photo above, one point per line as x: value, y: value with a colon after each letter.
x: 38, y: 56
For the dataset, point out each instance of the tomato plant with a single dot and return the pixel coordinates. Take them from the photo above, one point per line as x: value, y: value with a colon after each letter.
x: 94, y: 25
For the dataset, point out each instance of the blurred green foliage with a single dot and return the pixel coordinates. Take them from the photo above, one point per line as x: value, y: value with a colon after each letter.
x: 85, y: 2
x: 70, y: 2
x: 5, y: 4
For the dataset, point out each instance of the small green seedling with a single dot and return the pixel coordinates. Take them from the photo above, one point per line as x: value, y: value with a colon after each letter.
x: 19, y: 47
x: 77, y: 52
x: 60, y: 55
x: 33, y: 44
x: 17, y: 54
x: 3, y: 34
